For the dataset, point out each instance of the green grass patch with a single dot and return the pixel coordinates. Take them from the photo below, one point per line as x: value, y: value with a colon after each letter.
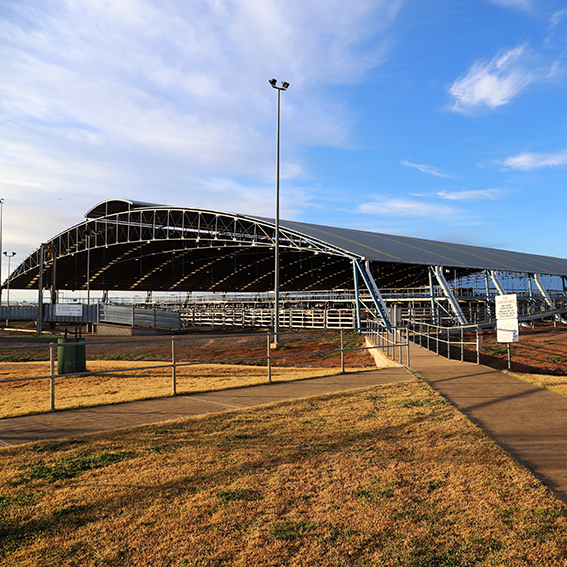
x: 70, y: 467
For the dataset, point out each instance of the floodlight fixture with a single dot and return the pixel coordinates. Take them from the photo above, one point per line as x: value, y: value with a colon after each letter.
x: 274, y: 84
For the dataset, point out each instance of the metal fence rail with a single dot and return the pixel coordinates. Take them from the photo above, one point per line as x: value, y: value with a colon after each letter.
x: 393, y: 342
x: 250, y: 317
x: 445, y: 339
x: 174, y: 363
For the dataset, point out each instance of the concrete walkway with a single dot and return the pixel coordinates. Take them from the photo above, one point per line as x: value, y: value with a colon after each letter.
x: 70, y: 423
x: 529, y: 422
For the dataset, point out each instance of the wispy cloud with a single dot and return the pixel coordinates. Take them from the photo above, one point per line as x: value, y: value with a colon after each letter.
x: 557, y: 17
x: 425, y: 168
x: 527, y: 161
x: 520, y: 4
x: 473, y: 195
x: 493, y: 83
x: 406, y: 208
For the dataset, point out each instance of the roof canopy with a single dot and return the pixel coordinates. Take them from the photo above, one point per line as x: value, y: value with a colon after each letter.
x: 134, y: 246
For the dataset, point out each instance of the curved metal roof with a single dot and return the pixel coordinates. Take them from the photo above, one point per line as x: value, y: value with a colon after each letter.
x: 132, y: 245
x: 404, y: 249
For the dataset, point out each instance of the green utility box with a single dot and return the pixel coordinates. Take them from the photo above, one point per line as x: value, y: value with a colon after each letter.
x: 71, y: 356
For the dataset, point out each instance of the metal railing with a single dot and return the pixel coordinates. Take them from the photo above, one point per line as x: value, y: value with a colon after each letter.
x: 445, y: 340
x: 270, y: 357
x: 393, y: 342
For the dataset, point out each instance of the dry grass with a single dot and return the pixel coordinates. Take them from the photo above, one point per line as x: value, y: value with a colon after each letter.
x: 388, y: 476
x: 24, y: 398
x: 557, y: 384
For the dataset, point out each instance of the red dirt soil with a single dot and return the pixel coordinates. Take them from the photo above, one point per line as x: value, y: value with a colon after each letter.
x: 542, y: 350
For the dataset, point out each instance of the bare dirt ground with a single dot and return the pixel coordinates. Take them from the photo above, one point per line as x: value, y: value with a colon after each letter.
x: 542, y: 350
x: 294, y: 349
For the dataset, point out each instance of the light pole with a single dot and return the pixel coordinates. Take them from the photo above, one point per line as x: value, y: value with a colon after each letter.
x: 283, y: 87
x: 1, y: 214
x: 9, y: 256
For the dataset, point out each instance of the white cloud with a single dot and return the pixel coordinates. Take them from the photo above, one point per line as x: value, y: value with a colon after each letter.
x: 527, y: 161
x: 151, y: 100
x: 478, y: 194
x: 405, y: 207
x: 493, y: 83
x: 425, y: 168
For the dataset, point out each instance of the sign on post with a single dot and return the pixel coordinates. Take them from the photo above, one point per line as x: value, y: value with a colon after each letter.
x: 507, y: 319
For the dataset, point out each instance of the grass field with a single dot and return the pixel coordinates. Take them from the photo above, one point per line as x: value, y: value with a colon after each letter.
x: 24, y: 398
x: 557, y: 384
x: 387, y: 476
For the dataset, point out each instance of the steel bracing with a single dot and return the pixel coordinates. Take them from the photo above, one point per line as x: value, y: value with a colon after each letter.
x: 129, y: 246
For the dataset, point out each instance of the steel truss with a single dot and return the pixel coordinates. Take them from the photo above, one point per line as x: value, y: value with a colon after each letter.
x: 153, y: 248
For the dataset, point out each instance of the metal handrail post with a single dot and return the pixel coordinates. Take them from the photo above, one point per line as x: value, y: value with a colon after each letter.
x: 448, y: 344
x: 462, y: 345
x: 342, y: 351
x: 173, y: 368
x: 408, y: 348
x: 52, y: 376
x: 269, y: 358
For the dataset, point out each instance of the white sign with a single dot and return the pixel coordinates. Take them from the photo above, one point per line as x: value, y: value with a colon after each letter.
x: 507, y: 331
x: 507, y: 319
x: 68, y: 310
x: 506, y: 307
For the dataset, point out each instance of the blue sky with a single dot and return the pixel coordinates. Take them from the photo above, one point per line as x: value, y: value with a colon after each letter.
x: 438, y: 119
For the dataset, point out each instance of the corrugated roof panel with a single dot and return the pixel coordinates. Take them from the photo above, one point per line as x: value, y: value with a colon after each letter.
x: 405, y: 249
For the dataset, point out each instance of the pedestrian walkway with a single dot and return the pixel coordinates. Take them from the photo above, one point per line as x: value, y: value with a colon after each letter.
x: 529, y: 422
x: 70, y: 423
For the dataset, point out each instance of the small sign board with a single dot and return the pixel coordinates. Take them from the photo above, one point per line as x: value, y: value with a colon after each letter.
x: 68, y: 310
x: 507, y: 319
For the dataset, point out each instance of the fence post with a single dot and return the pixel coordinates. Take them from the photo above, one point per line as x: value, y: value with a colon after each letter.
x: 52, y: 376
x: 269, y: 358
x: 462, y: 345
x: 408, y: 347
x: 342, y: 351
x: 173, y: 368
x: 448, y: 343
x: 478, y: 344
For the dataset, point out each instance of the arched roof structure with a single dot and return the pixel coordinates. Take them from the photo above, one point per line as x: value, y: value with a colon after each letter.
x: 134, y: 246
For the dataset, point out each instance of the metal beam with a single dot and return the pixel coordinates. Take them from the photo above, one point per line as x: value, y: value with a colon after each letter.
x: 497, y: 284
x: 450, y: 296
x: 548, y: 300
x: 432, y: 293
x: 377, y: 298
x: 356, y: 295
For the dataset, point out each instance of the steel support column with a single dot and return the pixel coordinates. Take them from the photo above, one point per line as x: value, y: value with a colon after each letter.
x: 376, y: 295
x: 356, y: 295
x: 432, y: 293
x: 460, y: 316
x: 497, y: 284
x: 548, y: 300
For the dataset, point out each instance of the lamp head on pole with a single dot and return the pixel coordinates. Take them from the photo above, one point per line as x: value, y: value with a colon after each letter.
x: 274, y: 84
